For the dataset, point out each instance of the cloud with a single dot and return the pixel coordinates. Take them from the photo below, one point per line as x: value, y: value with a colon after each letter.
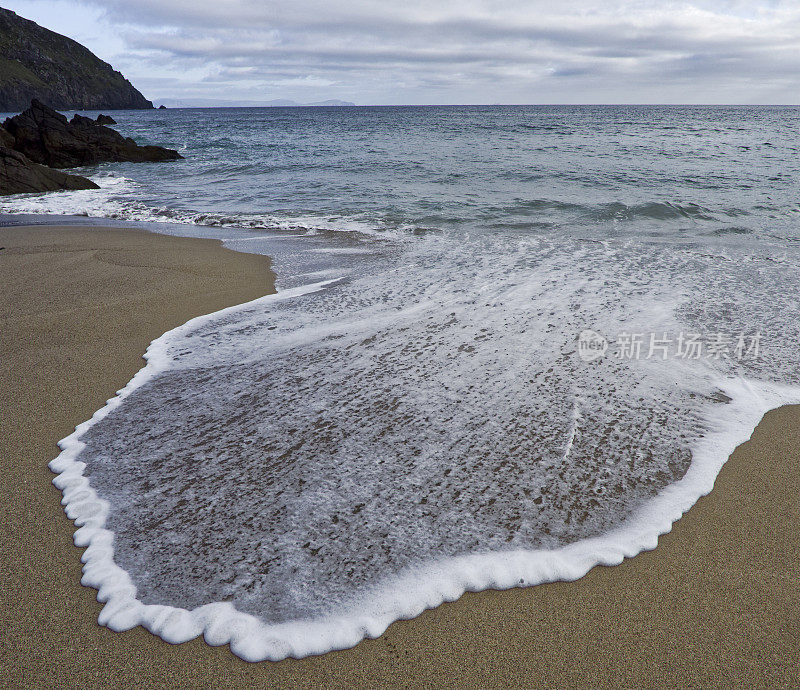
x: 375, y: 51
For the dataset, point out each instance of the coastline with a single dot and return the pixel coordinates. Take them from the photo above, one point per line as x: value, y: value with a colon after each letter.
x: 713, y: 603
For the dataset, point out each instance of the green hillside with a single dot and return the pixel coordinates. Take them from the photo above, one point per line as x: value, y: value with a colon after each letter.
x: 38, y: 63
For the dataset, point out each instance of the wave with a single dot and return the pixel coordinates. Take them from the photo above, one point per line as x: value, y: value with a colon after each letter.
x: 653, y: 210
x: 116, y: 200
x: 119, y: 199
x: 417, y: 588
x: 441, y: 390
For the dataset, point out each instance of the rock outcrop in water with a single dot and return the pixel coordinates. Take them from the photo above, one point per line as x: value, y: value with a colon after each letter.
x: 105, y: 120
x: 40, y: 137
x: 38, y: 63
x: 18, y: 175
x: 48, y: 138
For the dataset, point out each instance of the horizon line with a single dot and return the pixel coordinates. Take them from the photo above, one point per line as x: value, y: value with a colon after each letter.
x: 491, y: 105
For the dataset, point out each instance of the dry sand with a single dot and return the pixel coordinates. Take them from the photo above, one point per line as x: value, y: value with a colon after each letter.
x: 717, y: 604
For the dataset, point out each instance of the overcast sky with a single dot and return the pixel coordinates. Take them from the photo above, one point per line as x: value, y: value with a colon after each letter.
x: 429, y: 51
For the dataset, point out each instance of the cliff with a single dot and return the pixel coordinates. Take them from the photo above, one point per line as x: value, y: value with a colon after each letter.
x: 38, y: 63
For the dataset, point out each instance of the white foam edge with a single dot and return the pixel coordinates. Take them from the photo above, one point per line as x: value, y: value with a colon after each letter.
x: 419, y: 588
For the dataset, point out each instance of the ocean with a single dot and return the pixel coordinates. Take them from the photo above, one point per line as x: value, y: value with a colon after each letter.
x: 508, y: 344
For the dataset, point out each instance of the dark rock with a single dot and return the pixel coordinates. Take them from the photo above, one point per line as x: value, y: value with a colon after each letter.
x: 6, y: 139
x: 105, y: 120
x: 18, y: 175
x: 38, y: 63
x: 46, y: 137
x: 77, y: 120
x: 162, y: 107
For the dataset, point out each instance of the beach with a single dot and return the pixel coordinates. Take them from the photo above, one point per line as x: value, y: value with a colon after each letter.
x: 715, y: 604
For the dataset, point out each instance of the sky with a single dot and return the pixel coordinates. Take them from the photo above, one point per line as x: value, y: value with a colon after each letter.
x: 388, y: 52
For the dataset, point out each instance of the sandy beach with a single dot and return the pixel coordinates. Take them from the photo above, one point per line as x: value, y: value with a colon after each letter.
x: 715, y: 605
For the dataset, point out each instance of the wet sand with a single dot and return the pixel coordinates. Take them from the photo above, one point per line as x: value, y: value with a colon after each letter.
x: 716, y: 604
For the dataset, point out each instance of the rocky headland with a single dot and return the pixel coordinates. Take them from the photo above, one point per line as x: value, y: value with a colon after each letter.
x: 38, y: 63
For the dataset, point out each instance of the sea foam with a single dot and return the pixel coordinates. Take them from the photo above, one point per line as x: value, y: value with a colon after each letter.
x: 294, y: 474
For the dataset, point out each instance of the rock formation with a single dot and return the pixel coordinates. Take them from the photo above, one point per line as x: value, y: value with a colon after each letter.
x: 40, y: 137
x: 18, y: 175
x: 47, y: 137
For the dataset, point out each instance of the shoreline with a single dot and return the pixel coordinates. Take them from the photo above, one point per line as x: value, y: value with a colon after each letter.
x: 736, y: 629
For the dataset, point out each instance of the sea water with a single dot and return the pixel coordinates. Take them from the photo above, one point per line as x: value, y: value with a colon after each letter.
x: 481, y: 368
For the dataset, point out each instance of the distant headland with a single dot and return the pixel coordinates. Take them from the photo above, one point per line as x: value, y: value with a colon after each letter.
x: 218, y: 103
